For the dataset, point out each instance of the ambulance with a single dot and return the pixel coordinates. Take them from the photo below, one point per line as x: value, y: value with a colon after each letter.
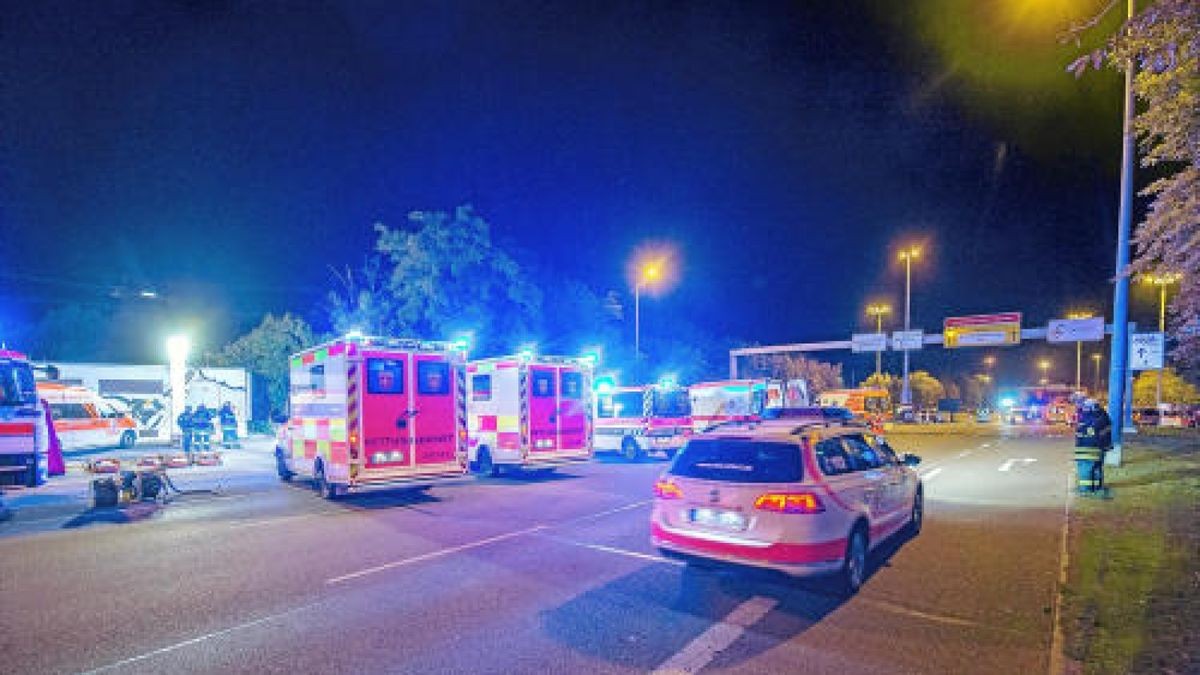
x: 24, y: 439
x: 529, y: 412
x: 637, y: 420
x: 82, y: 420
x: 372, y: 413
x: 722, y: 401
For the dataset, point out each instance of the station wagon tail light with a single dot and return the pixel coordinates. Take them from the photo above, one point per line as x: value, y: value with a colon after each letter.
x: 789, y: 502
x: 665, y: 489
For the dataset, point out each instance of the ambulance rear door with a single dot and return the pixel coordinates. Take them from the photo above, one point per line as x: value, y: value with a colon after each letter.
x: 543, y: 408
x: 574, y: 415
x: 387, y: 411
x: 436, y: 410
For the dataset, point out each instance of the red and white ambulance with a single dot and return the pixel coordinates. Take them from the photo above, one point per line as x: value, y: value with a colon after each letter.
x: 83, y: 420
x: 372, y: 412
x: 636, y: 420
x: 742, y: 400
x: 529, y: 412
x: 24, y: 438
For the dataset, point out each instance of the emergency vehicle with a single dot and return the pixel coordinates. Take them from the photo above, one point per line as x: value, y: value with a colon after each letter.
x: 83, y: 420
x: 742, y: 400
x: 24, y: 439
x: 865, y: 403
x: 639, y: 419
x: 529, y: 412
x: 370, y: 412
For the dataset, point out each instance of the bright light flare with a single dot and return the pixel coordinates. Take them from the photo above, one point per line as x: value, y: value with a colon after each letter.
x: 653, y: 268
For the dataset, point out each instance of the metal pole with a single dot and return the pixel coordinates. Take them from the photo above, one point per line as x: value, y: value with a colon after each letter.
x: 878, y: 355
x: 905, y: 392
x: 637, y: 332
x: 1162, y: 328
x: 1097, y: 383
x: 1078, y: 363
x: 1119, y: 360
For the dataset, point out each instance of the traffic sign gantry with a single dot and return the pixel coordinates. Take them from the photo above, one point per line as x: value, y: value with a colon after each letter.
x: 907, y: 339
x: 982, y: 330
x: 868, y: 342
x: 1076, y: 330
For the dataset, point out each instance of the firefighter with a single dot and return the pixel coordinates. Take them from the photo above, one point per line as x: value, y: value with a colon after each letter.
x: 228, y: 425
x: 202, y: 427
x: 185, y: 428
x: 1093, y: 437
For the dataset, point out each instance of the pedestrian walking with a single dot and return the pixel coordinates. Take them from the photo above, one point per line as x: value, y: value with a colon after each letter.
x: 1093, y: 437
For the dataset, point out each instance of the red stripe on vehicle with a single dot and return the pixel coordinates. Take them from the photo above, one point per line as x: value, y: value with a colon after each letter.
x: 774, y: 553
x: 16, y: 428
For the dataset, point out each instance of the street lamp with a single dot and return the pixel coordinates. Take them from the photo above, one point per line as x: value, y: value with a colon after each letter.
x: 878, y: 311
x: 647, y: 274
x: 1045, y: 366
x: 908, y: 255
x: 1096, y: 359
x: 989, y: 361
x: 1079, y: 346
x: 1162, y: 281
x: 178, y: 347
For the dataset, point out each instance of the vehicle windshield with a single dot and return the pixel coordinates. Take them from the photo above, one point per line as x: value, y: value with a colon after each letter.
x: 16, y: 384
x: 739, y: 461
x: 624, y: 404
x: 672, y: 403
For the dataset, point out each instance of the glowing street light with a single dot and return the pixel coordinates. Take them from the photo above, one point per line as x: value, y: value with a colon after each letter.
x: 1045, y: 367
x: 647, y: 274
x: 178, y: 347
x: 1085, y: 314
x: 989, y: 361
x: 908, y: 255
x: 1162, y: 281
x: 1096, y: 358
x: 877, y: 311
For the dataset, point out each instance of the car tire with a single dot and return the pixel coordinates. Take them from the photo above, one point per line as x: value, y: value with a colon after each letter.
x: 281, y: 467
x: 630, y: 449
x: 854, y: 564
x: 324, y: 488
x: 487, y: 467
x: 128, y: 440
x: 916, y: 517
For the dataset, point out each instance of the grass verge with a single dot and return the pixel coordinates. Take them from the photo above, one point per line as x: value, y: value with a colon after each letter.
x: 1132, y: 600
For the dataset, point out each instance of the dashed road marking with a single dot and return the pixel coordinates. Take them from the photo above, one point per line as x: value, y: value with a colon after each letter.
x: 930, y: 474
x: 614, y: 550
x: 1009, y: 463
x: 701, y: 651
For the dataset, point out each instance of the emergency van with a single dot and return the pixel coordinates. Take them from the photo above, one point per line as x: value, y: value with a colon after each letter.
x: 640, y: 419
x: 865, y: 403
x: 370, y: 413
x: 722, y: 401
x: 24, y: 438
x: 529, y: 412
x: 83, y: 420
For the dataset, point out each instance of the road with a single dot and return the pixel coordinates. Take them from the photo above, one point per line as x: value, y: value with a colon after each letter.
x: 543, y: 574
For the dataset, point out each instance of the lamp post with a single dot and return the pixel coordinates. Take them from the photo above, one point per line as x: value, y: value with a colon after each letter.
x: 647, y: 274
x: 1079, y: 347
x: 178, y: 347
x: 1096, y: 359
x: 908, y: 255
x: 1045, y: 366
x: 878, y: 311
x: 1162, y: 281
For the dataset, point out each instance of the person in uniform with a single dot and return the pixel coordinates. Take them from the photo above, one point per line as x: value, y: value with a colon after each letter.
x: 1093, y: 437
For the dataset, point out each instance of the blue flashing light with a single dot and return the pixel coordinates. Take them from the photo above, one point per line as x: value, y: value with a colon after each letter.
x: 462, y: 343
x: 354, y: 334
x: 668, y: 381
x: 526, y: 353
x: 1007, y: 402
x: 605, y: 385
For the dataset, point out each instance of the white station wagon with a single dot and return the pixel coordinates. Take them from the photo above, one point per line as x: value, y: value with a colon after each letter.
x: 804, y: 498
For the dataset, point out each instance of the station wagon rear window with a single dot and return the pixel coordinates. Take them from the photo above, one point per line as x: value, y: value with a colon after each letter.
x: 739, y: 461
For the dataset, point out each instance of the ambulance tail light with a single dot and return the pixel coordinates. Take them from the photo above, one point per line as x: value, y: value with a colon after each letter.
x: 789, y: 502
x: 665, y: 489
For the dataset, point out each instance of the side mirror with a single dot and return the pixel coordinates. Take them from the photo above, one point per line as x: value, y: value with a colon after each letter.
x: 909, y: 459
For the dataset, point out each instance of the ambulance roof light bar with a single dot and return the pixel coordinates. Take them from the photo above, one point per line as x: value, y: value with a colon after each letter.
x: 395, y: 343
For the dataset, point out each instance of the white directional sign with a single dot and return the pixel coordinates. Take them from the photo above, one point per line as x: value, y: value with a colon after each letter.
x: 907, y: 339
x: 1147, y: 351
x: 1076, y: 330
x: 868, y: 342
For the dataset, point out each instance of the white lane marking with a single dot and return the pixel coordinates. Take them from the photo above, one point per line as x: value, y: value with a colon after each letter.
x: 936, y: 618
x: 1057, y: 656
x: 434, y: 554
x: 242, y: 524
x: 964, y: 453
x: 617, y: 551
x: 196, y: 640
x: 929, y: 475
x: 985, y: 445
x: 701, y: 651
x: 609, y: 512
x: 1008, y: 463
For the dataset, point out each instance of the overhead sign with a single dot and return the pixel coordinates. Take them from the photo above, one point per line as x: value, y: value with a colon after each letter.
x: 905, y: 340
x: 982, y: 330
x: 1147, y: 351
x: 1076, y: 330
x: 868, y: 342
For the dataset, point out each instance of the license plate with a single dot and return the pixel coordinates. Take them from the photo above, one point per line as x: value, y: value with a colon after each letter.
x: 718, y: 518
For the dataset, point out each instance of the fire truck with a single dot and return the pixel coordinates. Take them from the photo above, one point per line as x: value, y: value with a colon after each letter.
x: 636, y: 420
x: 369, y: 413
x: 742, y: 400
x: 24, y: 438
x: 528, y: 412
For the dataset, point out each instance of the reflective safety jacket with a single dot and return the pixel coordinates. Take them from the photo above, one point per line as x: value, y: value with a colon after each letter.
x: 1093, y: 435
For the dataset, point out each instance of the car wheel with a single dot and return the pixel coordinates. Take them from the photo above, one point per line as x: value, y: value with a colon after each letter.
x: 281, y: 467
x: 128, y: 439
x: 487, y: 466
x: 630, y: 449
x: 854, y: 565
x: 917, y: 517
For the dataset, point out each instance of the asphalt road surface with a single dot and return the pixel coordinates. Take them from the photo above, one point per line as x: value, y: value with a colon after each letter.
x: 542, y: 574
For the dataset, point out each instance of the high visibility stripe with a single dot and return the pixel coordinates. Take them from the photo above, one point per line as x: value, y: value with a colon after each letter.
x: 647, y: 401
x: 508, y: 423
x: 523, y: 388
x: 460, y: 399
x: 352, y: 411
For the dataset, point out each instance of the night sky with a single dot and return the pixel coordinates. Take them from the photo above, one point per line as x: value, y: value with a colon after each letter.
x: 227, y: 153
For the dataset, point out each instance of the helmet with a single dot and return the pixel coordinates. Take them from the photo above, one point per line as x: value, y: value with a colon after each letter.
x: 1089, y: 404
